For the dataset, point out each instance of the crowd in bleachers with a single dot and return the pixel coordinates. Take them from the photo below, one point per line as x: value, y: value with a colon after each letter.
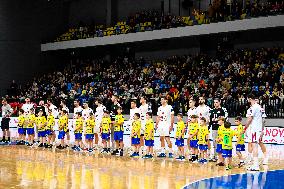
x: 143, y: 21
x: 231, y: 75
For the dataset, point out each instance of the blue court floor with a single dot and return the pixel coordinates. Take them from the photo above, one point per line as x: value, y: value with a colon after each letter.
x: 253, y: 180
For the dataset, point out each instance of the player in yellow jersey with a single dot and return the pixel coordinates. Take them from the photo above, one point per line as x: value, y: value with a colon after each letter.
x: 240, y: 146
x: 30, y: 126
x: 49, y: 131
x: 227, y: 144
x: 221, y: 122
x: 202, y: 136
x: 118, y: 132
x: 149, y: 135
x: 21, y: 130
x: 135, y: 135
x: 192, y: 137
x: 89, y: 131
x: 78, y: 130
x: 62, y: 127
x: 41, y: 123
x: 105, y: 132
x: 180, y: 137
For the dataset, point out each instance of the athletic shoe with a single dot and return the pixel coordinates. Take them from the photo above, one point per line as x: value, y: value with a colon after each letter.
x: 146, y: 156
x: 229, y: 167
x: 241, y: 164
x: 201, y: 161
x: 178, y: 158
x: 115, y: 152
x: 41, y: 145
x: 90, y: 150
x: 120, y: 153
x: 253, y: 168
x: 212, y: 160
x: 171, y: 155
x: 161, y: 155
x: 220, y: 164
x: 134, y: 154
x: 205, y: 161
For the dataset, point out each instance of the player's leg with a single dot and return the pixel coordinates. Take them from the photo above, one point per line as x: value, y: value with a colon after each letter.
x: 214, y: 154
x: 168, y: 140
x: 264, y: 151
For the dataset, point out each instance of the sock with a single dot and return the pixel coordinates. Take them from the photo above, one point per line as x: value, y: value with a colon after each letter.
x: 255, y: 162
x: 3, y: 138
x: 170, y: 150
x: 8, y: 138
x: 163, y: 150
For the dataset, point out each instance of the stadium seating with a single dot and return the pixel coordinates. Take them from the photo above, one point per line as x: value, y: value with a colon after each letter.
x: 231, y: 76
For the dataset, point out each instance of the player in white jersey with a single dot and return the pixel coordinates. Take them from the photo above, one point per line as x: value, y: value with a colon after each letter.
x: 143, y: 110
x: 63, y: 106
x: 86, y: 111
x: 27, y: 106
x: 254, y: 129
x: 77, y: 108
x: 52, y: 107
x: 203, y: 110
x: 98, y: 119
x: 261, y: 144
x: 164, y: 125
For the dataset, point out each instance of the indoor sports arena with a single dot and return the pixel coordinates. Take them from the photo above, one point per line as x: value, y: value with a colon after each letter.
x: 142, y: 94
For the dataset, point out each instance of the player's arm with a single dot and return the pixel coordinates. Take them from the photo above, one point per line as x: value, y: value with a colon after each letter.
x: 182, y: 132
x: 157, y: 121
x: 249, y: 120
x: 172, y: 121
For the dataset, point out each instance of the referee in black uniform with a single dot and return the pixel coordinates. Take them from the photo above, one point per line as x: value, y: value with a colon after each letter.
x: 6, y: 113
x: 215, y: 113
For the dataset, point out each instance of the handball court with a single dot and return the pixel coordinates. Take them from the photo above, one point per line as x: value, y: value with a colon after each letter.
x: 25, y: 167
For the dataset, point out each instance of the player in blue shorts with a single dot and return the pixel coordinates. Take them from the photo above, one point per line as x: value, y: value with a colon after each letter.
x: 135, y: 135
x: 118, y: 132
x: 62, y: 127
x: 105, y: 132
x: 240, y: 147
x: 192, y: 137
x: 21, y: 130
x: 227, y: 144
x: 180, y: 137
x: 89, y: 131
x: 202, y: 136
x: 79, y: 122
x: 149, y: 135
x: 219, y: 141
x: 41, y: 123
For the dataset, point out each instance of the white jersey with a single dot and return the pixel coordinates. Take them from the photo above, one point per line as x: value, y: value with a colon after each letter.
x: 132, y: 112
x: 26, y: 107
x: 143, y: 109
x: 54, y: 110
x: 99, y: 114
x: 191, y: 112
x: 76, y: 110
x: 66, y: 109
x: 165, y: 113
x: 86, y: 113
x: 256, y: 112
x: 203, y: 111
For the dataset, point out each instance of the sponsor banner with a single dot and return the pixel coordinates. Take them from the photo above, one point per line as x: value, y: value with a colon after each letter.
x: 271, y: 134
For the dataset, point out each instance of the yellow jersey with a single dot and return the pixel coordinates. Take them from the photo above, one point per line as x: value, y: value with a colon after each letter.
x: 193, y: 127
x: 63, y: 123
x: 90, y: 124
x: 50, y: 122
x: 203, y: 133
x: 149, y: 130
x: 79, y: 125
x: 219, y: 133
x: 31, y: 120
x: 21, y: 121
x: 240, y: 135
x: 227, y: 137
x: 106, y: 125
x: 118, y: 124
x: 39, y: 121
x: 180, y: 129
x: 136, y: 128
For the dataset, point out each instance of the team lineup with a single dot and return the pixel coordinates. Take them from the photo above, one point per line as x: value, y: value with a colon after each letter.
x: 103, y: 130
